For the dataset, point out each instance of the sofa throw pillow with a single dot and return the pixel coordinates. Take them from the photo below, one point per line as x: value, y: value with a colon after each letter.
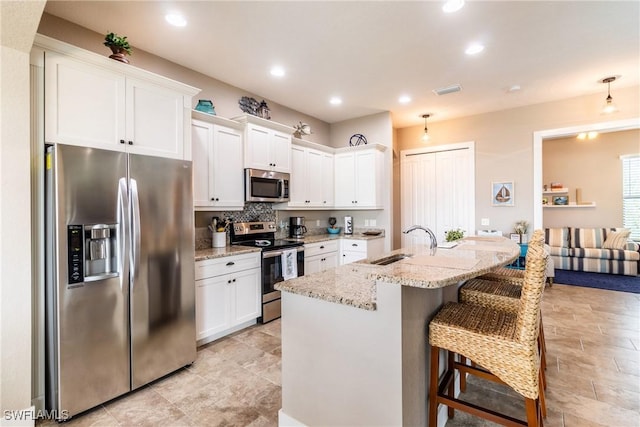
x: 557, y: 237
x: 616, y: 240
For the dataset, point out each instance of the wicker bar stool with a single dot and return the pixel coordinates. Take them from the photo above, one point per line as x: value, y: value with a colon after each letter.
x: 502, y: 342
x: 503, y: 294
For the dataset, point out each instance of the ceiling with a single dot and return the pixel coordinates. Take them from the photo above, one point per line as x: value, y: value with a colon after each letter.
x: 371, y: 52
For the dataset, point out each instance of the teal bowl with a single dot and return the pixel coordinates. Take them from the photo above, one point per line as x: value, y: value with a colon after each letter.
x: 334, y: 230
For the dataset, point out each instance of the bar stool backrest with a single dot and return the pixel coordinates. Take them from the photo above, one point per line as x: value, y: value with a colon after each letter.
x: 534, y: 277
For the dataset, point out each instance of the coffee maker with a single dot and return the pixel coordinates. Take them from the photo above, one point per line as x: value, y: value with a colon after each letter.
x: 296, y: 227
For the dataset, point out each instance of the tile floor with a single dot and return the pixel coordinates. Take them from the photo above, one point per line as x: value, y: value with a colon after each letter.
x: 593, y: 374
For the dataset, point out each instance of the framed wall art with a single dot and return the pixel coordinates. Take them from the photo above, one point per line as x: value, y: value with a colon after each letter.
x: 560, y: 200
x: 502, y: 193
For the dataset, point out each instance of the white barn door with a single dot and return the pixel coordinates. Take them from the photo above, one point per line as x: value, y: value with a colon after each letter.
x: 438, y: 190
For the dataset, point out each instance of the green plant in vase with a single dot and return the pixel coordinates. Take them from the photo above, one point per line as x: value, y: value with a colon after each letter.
x: 453, y: 235
x: 119, y: 45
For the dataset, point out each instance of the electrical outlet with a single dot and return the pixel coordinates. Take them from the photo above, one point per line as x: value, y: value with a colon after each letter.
x: 485, y: 221
x: 317, y: 223
x: 366, y: 222
x: 372, y: 222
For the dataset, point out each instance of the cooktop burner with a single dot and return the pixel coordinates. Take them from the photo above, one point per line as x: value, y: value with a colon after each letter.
x: 269, y: 244
x: 261, y: 235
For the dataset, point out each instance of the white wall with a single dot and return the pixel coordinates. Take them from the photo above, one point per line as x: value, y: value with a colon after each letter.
x: 19, y: 21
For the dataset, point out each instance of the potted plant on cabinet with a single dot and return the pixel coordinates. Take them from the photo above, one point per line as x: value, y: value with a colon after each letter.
x: 119, y: 45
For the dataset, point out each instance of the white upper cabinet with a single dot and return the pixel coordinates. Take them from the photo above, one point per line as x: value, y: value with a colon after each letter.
x: 358, y: 182
x: 311, y: 176
x: 84, y: 104
x: 218, y: 179
x: 155, y: 119
x: 328, y: 179
x: 93, y: 101
x: 267, y: 144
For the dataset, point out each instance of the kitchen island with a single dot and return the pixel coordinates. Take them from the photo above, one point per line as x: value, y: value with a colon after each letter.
x: 354, y: 339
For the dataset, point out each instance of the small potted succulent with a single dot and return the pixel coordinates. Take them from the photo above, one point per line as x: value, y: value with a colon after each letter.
x: 453, y: 235
x: 119, y: 45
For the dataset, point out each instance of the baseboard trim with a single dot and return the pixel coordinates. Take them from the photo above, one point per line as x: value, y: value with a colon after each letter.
x: 285, y: 420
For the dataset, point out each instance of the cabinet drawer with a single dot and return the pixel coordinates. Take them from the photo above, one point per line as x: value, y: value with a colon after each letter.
x: 319, y: 248
x: 226, y: 265
x: 353, y: 245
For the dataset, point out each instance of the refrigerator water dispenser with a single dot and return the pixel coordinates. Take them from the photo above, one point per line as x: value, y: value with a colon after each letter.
x: 100, y: 253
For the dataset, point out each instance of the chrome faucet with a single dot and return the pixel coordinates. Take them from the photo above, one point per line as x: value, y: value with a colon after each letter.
x: 432, y: 236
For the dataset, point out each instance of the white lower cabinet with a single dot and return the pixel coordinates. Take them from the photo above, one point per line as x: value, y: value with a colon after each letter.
x: 352, y: 250
x: 227, y: 295
x: 320, y: 256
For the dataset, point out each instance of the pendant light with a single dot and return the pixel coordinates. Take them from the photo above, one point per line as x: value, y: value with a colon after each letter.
x: 609, y: 106
x: 425, y: 136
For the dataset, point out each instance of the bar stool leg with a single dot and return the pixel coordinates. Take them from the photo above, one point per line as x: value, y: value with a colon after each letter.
x: 433, y: 386
x: 533, y: 413
x: 543, y: 404
x: 463, y: 376
x: 452, y: 384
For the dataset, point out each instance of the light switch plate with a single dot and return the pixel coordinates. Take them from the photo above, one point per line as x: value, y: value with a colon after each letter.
x: 372, y: 222
x: 484, y: 221
x: 366, y: 222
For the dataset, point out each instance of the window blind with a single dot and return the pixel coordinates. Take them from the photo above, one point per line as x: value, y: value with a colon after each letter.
x: 631, y: 194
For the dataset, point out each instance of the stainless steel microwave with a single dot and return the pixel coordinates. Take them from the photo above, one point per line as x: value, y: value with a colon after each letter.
x: 266, y: 186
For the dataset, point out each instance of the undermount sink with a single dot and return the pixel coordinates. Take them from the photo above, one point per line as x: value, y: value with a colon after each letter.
x: 390, y: 259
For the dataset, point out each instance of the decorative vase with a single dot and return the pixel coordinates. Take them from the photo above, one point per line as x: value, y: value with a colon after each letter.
x: 206, y: 106
x: 119, y: 54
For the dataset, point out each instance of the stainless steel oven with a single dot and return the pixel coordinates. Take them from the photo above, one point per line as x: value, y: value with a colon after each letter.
x: 272, y: 273
x: 274, y: 253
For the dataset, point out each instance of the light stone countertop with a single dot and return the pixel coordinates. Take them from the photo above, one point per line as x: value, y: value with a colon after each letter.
x: 229, y: 250
x: 317, y: 238
x: 211, y: 253
x: 355, y: 284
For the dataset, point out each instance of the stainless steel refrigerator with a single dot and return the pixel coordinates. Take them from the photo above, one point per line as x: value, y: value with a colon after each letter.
x: 120, y: 298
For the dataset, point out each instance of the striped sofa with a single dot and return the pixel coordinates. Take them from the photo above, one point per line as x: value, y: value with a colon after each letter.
x: 587, y: 249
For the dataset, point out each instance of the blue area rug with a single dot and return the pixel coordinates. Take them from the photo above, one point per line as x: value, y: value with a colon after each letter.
x: 611, y: 282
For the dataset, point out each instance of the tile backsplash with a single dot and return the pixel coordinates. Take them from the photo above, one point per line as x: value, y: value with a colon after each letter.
x: 251, y: 212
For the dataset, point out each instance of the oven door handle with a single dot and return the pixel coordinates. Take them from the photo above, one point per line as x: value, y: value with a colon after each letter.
x: 273, y: 254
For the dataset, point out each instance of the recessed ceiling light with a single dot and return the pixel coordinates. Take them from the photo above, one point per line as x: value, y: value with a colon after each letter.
x: 277, y: 71
x: 474, y: 49
x: 335, y: 100
x: 452, y: 6
x: 514, y: 88
x: 404, y: 99
x: 176, y: 19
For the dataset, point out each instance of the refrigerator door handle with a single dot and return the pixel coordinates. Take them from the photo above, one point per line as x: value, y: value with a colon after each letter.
x: 123, y: 220
x: 135, y: 231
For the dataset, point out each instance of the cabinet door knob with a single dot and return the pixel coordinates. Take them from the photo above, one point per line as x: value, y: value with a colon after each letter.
x: 230, y: 263
x: 130, y: 142
x: 229, y: 281
x: 354, y: 244
x: 321, y: 247
x: 234, y: 280
x: 122, y: 141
